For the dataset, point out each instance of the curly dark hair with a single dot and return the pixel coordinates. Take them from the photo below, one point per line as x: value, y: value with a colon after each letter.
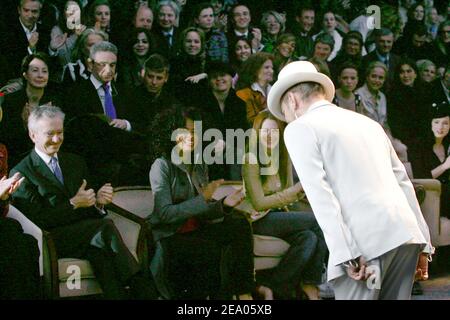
x: 165, y: 123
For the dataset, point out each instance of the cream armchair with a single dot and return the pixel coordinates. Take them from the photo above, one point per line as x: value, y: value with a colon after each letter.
x: 439, y: 226
x: 58, y: 273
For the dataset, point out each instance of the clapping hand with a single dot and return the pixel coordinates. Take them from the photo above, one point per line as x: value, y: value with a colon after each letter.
x: 84, y: 198
x: 33, y: 40
x: 58, y: 41
x: 10, y: 185
x: 105, y: 195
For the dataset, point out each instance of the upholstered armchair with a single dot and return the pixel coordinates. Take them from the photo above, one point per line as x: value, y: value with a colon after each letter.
x: 439, y: 226
x: 58, y: 273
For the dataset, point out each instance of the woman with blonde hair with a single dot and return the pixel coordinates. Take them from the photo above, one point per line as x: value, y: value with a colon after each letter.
x: 269, y: 193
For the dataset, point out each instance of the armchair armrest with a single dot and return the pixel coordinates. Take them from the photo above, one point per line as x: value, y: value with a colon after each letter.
x: 431, y: 205
x: 48, y: 260
x: 30, y: 228
x: 134, y: 230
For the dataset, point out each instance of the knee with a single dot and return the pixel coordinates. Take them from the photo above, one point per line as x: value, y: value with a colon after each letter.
x: 306, y: 238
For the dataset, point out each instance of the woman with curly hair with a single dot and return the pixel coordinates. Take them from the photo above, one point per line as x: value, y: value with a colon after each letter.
x: 191, y: 228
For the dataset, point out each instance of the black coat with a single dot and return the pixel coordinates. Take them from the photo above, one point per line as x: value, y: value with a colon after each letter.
x: 13, y: 129
x: 14, y: 44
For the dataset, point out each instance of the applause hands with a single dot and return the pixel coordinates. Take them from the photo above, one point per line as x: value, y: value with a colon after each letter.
x: 87, y: 198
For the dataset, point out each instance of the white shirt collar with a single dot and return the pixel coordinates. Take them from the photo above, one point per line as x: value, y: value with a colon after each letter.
x: 97, y: 83
x: 318, y: 104
x: 241, y: 34
x: 28, y: 31
x: 168, y: 32
x: 256, y: 87
x: 45, y: 157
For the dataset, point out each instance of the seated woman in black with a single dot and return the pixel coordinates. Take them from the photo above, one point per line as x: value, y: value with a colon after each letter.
x: 201, y: 250
x: 432, y: 159
x: 18, y: 105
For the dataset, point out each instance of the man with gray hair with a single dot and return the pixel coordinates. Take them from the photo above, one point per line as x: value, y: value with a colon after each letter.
x: 358, y: 189
x: 166, y: 33
x: 105, y: 145
x: 56, y: 197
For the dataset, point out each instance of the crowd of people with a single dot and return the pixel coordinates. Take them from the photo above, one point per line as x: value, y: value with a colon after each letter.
x: 116, y: 79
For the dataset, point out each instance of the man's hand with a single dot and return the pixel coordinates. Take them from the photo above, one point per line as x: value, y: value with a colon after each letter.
x: 119, y: 123
x: 358, y: 272
x: 105, y: 195
x: 209, y: 190
x: 84, y: 198
x: 9, y: 186
x: 256, y: 41
x: 33, y: 40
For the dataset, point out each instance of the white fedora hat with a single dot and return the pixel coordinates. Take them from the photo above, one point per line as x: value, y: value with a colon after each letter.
x: 295, y: 73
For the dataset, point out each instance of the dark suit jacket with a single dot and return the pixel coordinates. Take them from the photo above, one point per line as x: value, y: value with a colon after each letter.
x: 43, y: 199
x: 162, y: 44
x: 13, y: 131
x: 14, y: 44
x: 83, y: 99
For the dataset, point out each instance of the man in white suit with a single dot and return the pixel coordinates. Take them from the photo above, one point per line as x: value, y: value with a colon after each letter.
x: 358, y: 188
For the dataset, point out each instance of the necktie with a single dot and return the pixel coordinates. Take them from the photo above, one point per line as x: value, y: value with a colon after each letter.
x: 110, y: 110
x: 169, y: 39
x: 56, y: 169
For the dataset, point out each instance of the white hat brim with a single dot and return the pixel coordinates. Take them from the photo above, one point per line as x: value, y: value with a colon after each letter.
x: 285, y: 83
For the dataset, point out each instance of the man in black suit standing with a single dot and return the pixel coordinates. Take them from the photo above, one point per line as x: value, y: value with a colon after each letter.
x: 55, y: 196
x: 25, y: 35
x: 384, y: 42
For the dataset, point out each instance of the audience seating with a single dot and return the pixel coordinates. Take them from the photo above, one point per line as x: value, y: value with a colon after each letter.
x: 55, y: 270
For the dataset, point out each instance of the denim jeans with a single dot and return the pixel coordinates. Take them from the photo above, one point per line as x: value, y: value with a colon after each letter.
x: 305, y: 258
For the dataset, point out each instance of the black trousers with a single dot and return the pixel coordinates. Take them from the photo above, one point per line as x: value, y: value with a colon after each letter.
x: 215, y: 260
x: 99, y: 241
x: 19, y: 263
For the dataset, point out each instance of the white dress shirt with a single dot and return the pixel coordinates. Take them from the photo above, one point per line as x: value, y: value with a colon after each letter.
x: 28, y: 33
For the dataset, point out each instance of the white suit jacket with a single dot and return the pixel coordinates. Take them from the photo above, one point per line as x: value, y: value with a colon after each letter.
x: 358, y: 189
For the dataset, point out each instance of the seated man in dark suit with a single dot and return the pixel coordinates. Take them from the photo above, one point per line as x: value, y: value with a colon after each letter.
x: 106, y: 145
x: 165, y: 31
x: 25, y: 36
x: 384, y: 42
x: 55, y: 196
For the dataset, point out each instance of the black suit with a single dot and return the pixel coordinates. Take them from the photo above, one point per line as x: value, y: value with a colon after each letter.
x: 84, y: 99
x: 106, y: 149
x: 13, y: 129
x: 162, y: 43
x: 77, y: 233
x: 14, y: 44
